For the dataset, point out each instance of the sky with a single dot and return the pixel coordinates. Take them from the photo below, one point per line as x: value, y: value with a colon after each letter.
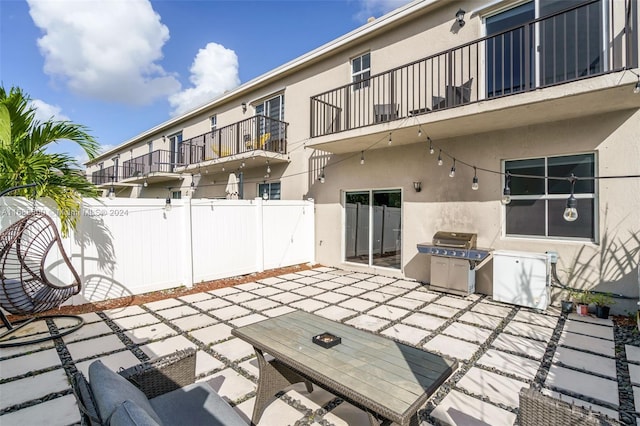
x: 120, y: 67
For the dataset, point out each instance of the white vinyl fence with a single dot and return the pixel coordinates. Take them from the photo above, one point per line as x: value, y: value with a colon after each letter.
x: 127, y: 246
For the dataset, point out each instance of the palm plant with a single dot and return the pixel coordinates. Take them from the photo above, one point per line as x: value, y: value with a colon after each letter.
x: 24, y: 158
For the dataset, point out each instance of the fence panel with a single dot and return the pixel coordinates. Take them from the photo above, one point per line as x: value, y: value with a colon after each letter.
x: 124, y: 247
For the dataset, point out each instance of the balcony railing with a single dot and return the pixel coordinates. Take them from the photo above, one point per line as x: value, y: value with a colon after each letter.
x: 106, y: 175
x: 155, y: 161
x: 255, y: 133
x: 573, y: 44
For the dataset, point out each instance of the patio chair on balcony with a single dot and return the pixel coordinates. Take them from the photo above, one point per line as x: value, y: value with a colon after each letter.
x: 385, y: 112
x: 455, y: 96
x: 26, y: 286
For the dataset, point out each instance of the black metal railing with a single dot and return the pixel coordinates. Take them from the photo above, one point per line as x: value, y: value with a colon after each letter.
x: 107, y: 175
x: 255, y: 133
x: 155, y: 161
x: 564, y: 46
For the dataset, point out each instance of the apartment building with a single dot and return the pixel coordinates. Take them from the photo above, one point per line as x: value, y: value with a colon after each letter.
x: 517, y: 122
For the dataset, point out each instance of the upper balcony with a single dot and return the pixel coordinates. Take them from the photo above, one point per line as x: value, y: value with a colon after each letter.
x: 473, y: 87
x: 257, y: 136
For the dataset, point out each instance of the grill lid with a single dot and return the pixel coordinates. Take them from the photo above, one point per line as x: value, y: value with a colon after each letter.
x: 455, y: 239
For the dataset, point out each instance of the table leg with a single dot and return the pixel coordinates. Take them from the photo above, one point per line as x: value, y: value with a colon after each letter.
x: 274, y: 376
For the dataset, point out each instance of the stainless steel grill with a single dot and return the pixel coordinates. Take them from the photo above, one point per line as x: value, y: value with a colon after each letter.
x: 454, y: 259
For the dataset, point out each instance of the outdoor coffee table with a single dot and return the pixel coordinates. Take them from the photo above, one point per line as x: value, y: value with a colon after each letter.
x: 379, y: 375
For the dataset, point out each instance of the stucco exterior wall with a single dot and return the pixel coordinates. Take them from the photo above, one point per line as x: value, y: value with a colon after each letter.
x: 608, y: 264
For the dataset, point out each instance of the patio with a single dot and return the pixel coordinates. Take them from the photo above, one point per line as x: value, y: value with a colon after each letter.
x: 501, y: 348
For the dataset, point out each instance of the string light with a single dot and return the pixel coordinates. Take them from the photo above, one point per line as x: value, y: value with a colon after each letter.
x: 321, y: 178
x: 361, y: 157
x: 440, y: 158
x: 167, y: 204
x: 389, y: 143
x: 419, y: 131
x: 571, y: 211
x: 474, y: 182
x: 452, y: 173
x: 506, y: 192
x: 268, y: 167
x: 145, y: 184
x: 431, y: 150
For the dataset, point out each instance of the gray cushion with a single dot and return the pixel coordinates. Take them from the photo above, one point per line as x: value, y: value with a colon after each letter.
x: 111, y: 389
x: 130, y: 414
x: 195, y: 404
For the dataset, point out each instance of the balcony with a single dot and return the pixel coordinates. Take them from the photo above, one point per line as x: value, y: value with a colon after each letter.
x: 257, y: 136
x: 583, y: 42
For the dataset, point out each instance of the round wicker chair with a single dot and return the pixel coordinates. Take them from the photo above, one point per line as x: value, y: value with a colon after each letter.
x: 26, y: 288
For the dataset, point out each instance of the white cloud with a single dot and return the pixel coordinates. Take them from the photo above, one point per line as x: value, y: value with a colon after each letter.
x: 106, y: 50
x: 214, y: 70
x: 377, y: 8
x: 45, y: 111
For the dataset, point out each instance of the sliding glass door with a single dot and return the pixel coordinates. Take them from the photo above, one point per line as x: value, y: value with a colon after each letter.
x: 373, y: 228
x: 565, y: 44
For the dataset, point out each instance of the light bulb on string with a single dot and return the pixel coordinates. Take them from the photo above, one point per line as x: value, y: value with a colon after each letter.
x: 571, y: 210
x: 452, y: 173
x: 145, y: 184
x: 506, y: 192
x: 474, y: 182
x: 321, y: 178
x: 431, y: 150
x: 362, y: 157
x: 389, y: 143
x: 419, y: 131
x: 440, y: 162
x: 268, y: 168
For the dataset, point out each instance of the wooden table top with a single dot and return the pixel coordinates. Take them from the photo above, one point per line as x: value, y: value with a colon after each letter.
x: 369, y: 369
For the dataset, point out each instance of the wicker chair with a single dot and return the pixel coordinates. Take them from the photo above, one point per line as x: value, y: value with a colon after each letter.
x: 162, y: 391
x: 25, y: 287
x: 537, y: 409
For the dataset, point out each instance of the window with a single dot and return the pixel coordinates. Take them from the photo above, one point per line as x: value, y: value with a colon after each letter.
x: 214, y: 122
x: 176, y: 195
x: 271, y: 189
x: 537, y: 204
x: 175, y: 148
x: 271, y: 127
x: 361, y: 70
x: 373, y: 228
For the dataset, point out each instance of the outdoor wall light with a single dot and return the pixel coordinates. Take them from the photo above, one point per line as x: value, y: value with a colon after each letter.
x: 417, y: 186
x: 244, y: 107
x: 506, y: 192
x: 571, y: 211
x: 167, y: 204
x: 460, y: 17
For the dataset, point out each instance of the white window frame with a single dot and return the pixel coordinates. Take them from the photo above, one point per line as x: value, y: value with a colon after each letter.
x: 269, y: 184
x: 359, y: 84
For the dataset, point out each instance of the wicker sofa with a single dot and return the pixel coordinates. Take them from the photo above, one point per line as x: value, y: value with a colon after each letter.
x: 159, y: 392
x: 537, y: 409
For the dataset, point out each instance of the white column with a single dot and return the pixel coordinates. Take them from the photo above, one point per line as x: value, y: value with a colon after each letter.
x: 259, y: 205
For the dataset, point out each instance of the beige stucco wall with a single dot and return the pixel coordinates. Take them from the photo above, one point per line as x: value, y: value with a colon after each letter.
x: 449, y: 203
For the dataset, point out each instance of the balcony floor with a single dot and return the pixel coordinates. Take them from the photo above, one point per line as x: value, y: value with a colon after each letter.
x: 500, y: 347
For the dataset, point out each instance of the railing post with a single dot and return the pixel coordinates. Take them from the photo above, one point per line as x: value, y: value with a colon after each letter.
x: 347, y: 104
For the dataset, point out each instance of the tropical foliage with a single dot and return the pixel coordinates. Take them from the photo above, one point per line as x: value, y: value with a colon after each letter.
x: 24, y: 157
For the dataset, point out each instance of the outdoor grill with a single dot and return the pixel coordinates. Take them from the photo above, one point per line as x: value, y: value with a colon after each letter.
x: 454, y: 260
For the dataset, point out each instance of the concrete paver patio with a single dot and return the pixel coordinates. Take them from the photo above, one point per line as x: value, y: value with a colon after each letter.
x: 501, y: 348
